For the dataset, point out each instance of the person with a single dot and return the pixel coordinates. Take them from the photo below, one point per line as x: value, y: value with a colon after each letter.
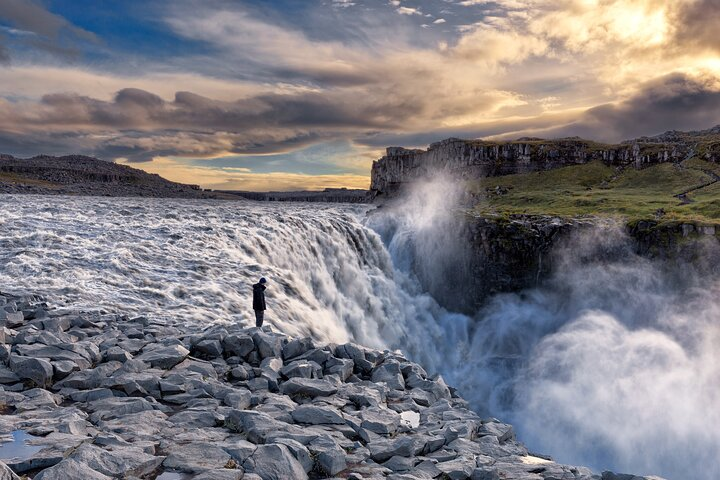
x: 259, y: 301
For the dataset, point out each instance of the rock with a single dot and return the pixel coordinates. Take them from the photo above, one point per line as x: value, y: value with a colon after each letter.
x: 118, y: 463
x: 7, y: 376
x: 399, y: 464
x: 238, y: 345
x: 380, y: 421
x: 301, y: 369
x: 389, y: 372
x: 383, y: 450
x: 164, y: 357
x: 70, y: 469
x: 317, y: 415
x: 267, y: 345
x: 225, y: 474
x: 239, y: 373
x: 255, y: 425
x: 37, y: 370
x: 330, y: 457
x: 6, y: 473
x: 196, y: 457
x: 308, y: 387
x: 117, y: 354
x: 210, y: 348
x: 274, y: 462
x: 238, y: 399
x: 299, y: 451
x: 296, y: 347
x: 197, y: 419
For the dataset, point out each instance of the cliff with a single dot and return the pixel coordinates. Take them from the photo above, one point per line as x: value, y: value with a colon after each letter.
x: 470, y: 159
x: 521, y: 200
x: 81, y: 175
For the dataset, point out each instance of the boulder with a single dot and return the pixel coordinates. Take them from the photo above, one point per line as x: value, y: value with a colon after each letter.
x: 210, y: 348
x: 390, y: 373
x: 308, y: 387
x: 274, y: 462
x: 38, y: 370
x: 6, y: 473
x: 164, y: 357
x: 118, y: 463
x: 70, y: 469
x: 238, y: 345
x: 196, y: 458
x: 317, y: 415
x: 380, y: 420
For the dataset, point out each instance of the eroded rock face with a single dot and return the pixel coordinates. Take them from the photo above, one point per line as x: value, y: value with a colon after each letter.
x: 478, y: 159
x: 137, y: 407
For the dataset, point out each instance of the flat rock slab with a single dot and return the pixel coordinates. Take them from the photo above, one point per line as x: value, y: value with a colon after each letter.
x: 309, y: 387
x: 196, y: 458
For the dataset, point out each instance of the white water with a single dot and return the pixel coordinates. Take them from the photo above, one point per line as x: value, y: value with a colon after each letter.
x: 611, y: 363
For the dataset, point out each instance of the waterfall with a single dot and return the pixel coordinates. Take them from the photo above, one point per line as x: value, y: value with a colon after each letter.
x: 612, y: 362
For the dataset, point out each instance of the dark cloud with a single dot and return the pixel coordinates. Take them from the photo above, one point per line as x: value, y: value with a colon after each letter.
x: 50, y: 32
x: 673, y: 102
x: 696, y: 24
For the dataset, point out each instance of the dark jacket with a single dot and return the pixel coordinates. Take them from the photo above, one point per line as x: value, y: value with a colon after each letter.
x: 259, y: 296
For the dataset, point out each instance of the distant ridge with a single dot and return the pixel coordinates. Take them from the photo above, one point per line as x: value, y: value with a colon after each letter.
x: 83, y: 175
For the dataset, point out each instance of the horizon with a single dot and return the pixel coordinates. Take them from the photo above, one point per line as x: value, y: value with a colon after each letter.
x: 290, y: 95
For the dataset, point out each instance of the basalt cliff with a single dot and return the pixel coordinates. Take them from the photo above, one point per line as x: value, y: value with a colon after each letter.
x: 520, y: 200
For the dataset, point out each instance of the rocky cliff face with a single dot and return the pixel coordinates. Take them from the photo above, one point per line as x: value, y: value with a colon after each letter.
x: 474, y: 158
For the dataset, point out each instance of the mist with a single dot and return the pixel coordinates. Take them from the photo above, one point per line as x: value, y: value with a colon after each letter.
x: 611, y: 362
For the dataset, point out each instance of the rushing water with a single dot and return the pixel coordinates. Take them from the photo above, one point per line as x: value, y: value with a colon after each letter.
x: 612, y: 363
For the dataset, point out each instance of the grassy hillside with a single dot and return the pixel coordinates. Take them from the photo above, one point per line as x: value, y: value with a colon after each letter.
x: 596, y: 189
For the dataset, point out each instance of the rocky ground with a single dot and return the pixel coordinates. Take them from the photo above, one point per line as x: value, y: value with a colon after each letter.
x: 105, y: 396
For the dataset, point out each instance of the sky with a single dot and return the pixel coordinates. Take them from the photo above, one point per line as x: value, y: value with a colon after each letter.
x: 289, y: 94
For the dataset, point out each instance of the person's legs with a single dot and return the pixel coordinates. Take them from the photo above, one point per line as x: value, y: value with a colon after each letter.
x: 259, y: 316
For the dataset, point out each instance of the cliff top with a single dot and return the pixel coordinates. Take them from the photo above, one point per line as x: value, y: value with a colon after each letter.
x: 684, y: 191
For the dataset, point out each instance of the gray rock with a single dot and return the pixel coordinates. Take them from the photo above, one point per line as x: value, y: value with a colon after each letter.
x: 117, y: 354
x: 6, y: 473
x: 239, y: 373
x: 400, y: 464
x: 308, y: 387
x: 330, y: 457
x: 317, y: 415
x: 224, y: 474
x: 390, y: 373
x: 238, y: 345
x: 238, y: 399
x: 274, y: 462
x: 384, y: 449
x: 210, y: 348
x: 267, y: 345
x: 299, y: 451
x: 296, y: 347
x: 380, y: 420
x: 119, y: 462
x: 196, y: 458
x: 301, y: 369
x: 255, y: 425
x: 70, y: 469
x: 164, y: 357
x: 459, y: 469
x: 197, y: 419
x: 38, y: 370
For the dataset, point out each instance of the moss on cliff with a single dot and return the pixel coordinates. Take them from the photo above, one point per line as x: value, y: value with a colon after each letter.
x: 594, y: 188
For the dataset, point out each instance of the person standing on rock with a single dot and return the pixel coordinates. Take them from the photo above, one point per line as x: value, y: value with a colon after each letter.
x: 259, y: 301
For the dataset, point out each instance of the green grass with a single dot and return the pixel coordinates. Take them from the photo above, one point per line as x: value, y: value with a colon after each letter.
x: 594, y: 189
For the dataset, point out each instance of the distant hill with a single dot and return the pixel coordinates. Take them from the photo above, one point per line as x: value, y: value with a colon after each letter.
x: 82, y: 175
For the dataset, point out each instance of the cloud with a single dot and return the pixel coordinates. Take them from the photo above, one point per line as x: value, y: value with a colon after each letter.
x: 40, y: 28
x: 673, y: 102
